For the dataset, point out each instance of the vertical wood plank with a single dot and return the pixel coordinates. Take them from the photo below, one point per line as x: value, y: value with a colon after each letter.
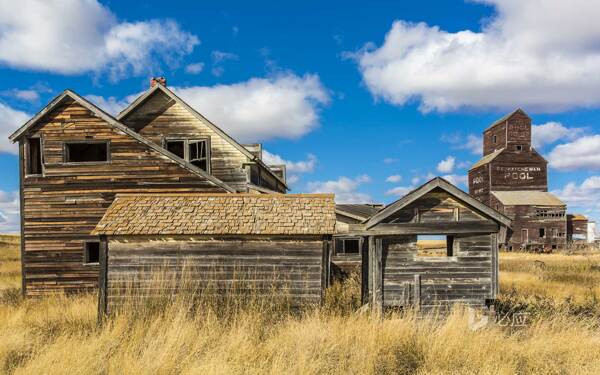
x: 102, y: 279
x: 22, y: 214
x: 495, y: 266
x: 369, y: 267
x: 378, y: 277
x: 417, y: 292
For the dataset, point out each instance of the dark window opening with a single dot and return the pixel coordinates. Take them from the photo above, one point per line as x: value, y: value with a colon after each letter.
x: 177, y: 147
x: 435, y: 246
x: 519, y: 147
x: 494, y: 139
x: 85, y: 152
x: 198, y: 154
x: 34, y: 156
x: 347, y: 246
x: 554, y: 247
x: 542, y: 232
x: 91, y: 253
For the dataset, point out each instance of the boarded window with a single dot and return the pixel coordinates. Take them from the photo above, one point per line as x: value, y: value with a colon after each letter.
x: 435, y: 246
x: 177, y: 147
x: 347, y: 246
x: 86, y: 152
x: 198, y: 154
x: 34, y: 156
x: 91, y: 253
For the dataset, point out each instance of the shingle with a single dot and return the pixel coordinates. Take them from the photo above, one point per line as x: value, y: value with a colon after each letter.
x: 219, y: 214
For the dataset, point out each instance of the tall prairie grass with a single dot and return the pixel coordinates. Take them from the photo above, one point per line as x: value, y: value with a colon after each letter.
x: 61, y: 335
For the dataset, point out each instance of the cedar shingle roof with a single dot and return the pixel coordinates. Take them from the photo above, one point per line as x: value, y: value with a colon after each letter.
x: 527, y: 197
x: 219, y: 214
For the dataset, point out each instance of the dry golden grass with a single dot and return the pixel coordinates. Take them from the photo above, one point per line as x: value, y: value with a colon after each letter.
x: 10, y: 264
x: 60, y: 335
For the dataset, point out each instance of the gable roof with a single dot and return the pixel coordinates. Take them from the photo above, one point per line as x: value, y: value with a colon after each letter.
x: 219, y: 214
x: 527, y: 197
x: 358, y: 211
x: 437, y: 182
x: 506, y: 117
x: 161, y: 88
x: 486, y: 159
x: 68, y: 94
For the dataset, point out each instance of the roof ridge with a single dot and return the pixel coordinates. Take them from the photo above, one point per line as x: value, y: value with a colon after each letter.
x: 109, y: 119
x: 228, y: 195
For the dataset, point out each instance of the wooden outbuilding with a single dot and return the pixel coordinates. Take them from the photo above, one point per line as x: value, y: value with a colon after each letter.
x: 577, y: 228
x: 401, y: 274
x: 278, y: 243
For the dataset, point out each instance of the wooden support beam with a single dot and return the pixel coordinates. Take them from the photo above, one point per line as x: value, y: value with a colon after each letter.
x: 378, y: 277
x: 417, y: 293
x: 386, y: 229
x: 103, y: 279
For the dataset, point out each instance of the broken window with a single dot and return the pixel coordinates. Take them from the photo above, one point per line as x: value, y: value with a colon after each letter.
x: 435, y: 246
x: 86, y: 152
x: 347, y: 246
x: 198, y: 154
x: 91, y: 253
x: 542, y: 232
x: 177, y: 147
x: 34, y: 156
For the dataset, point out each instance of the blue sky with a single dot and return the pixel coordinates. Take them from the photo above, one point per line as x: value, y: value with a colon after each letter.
x: 366, y: 100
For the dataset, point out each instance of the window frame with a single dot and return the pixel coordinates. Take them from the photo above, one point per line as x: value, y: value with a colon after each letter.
x: 519, y: 147
x: 27, y: 157
x: 186, y: 149
x: 86, y: 141
x: 455, y: 246
x: 86, y: 261
x: 344, y: 238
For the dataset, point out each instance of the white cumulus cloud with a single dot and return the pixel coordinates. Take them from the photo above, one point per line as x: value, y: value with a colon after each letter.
x: 12, y: 119
x: 73, y: 37
x: 394, y: 178
x: 344, y: 188
x: 582, y: 153
x: 540, y: 54
x: 9, y: 212
x: 446, y: 165
x: 551, y: 132
x: 283, y: 106
x: 300, y: 166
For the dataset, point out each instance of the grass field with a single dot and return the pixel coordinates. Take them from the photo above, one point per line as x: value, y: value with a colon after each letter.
x: 60, y: 335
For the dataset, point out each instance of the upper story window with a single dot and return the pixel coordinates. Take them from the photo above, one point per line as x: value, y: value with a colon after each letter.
x: 86, y: 152
x: 494, y: 139
x: 33, y: 159
x: 519, y: 147
x: 195, y: 151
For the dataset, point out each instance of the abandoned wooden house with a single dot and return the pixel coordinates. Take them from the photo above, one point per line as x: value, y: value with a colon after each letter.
x: 269, y: 243
x: 577, y: 228
x: 512, y: 177
x: 75, y: 158
x: 397, y: 273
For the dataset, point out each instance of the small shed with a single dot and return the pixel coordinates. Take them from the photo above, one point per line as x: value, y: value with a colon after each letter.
x: 275, y: 240
x: 463, y: 267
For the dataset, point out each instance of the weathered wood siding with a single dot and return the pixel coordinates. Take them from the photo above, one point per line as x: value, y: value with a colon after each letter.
x: 466, y: 277
x: 225, y: 160
x: 528, y: 218
x: 294, y: 267
x: 402, y: 278
x: 62, y: 207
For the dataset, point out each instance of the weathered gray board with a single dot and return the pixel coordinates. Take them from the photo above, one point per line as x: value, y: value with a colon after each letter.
x: 401, y: 278
x: 296, y: 267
